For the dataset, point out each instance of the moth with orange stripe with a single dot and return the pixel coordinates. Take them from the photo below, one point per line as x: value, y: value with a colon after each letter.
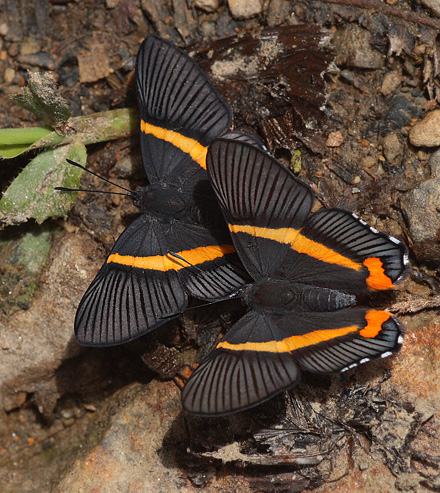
x: 180, y: 245
x: 307, y: 269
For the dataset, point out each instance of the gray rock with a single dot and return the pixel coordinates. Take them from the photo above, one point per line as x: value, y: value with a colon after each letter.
x: 353, y: 48
x: 434, y: 5
x: 421, y: 206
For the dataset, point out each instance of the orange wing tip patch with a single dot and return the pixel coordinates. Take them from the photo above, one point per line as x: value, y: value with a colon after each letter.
x: 290, y: 343
x: 377, y: 279
x: 299, y: 243
x: 375, y: 319
x: 165, y: 263
x: 185, y: 144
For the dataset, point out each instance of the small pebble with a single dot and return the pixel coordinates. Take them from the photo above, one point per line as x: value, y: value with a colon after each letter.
x: 369, y: 162
x: 4, y: 29
x: 391, y: 82
x: 391, y: 147
x: 207, y: 5
x: 66, y: 413
x: 245, y: 9
x: 29, y: 47
x: 334, y: 139
x: 41, y: 59
x: 9, y: 75
x: 426, y: 133
x: 434, y: 164
x: 13, y: 50
x: 422, y: 155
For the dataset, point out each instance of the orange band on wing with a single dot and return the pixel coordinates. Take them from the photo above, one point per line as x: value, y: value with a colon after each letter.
x: 172, y: 262
x: 377, y: 278
x: 375, y: 319
x: 185, y: 144
x: 299, y: 243
x: 292, y: 343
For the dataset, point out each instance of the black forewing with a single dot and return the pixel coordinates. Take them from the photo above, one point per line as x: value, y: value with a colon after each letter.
x: 125, y: 302
x: 175, y: 94
x: 341, y: 232
x: 257, y: 192
x: 231, y: 381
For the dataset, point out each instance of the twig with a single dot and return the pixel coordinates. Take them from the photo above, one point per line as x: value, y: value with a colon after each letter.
x: 381, y: 7
x: 415, y: 305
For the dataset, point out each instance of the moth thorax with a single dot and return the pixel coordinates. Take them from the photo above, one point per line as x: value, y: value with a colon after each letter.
x: 167, y: 201
x: 283, y: 294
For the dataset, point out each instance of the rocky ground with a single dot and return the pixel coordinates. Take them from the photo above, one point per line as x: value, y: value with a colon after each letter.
x: 358, y: 98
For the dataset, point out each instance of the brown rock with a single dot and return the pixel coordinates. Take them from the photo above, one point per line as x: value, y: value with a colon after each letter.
x: 93, y: 63
x: 391, y: 82
x: 391, y: 147
x: 426, y: 133
x: 9, y: 75
x: 334, y: 139
x: 369, y: 161
x: 128, y: 453
x: 207, y: 5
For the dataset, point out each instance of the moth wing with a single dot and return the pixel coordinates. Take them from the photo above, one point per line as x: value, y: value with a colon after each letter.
x: 262, y: 201
x: 335, y: 249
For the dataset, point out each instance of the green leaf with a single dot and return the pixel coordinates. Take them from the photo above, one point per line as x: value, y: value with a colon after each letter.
x: 89, y: 129
x: 32, y: 194
x: 295, y: 161
x: 15, y: 141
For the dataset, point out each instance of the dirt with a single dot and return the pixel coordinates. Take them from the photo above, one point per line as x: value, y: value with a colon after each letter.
x: 76, y: 419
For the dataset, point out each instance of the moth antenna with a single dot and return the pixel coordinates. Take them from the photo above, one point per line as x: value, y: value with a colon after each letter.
x: 66, y: 189
x: 73, y: 163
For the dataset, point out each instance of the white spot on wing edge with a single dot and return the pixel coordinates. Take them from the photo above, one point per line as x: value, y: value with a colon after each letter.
x: 385, y: 355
